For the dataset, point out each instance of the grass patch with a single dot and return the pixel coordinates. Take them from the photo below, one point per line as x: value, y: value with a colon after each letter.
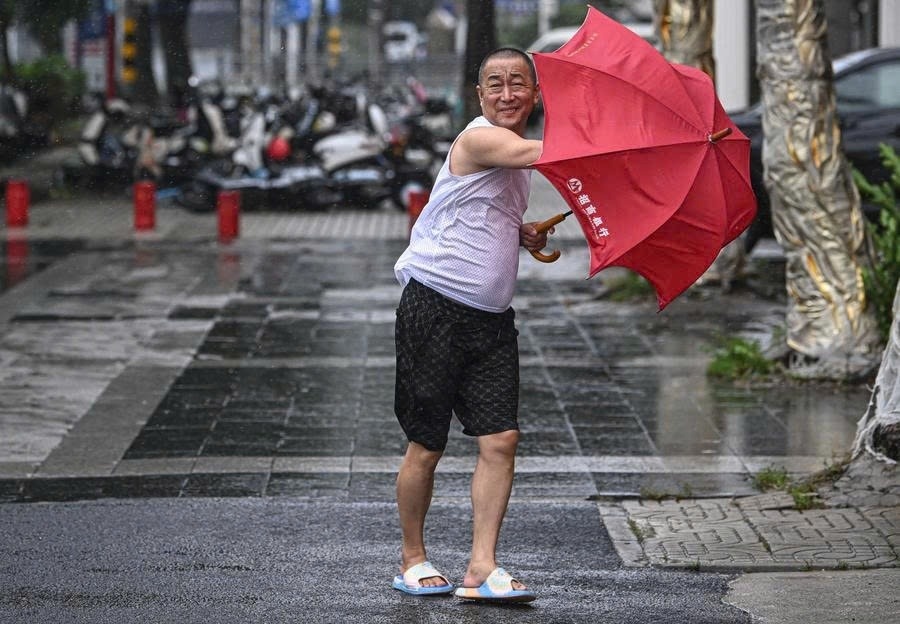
x: 737, y: 358
x: 651, y: 493
x: 771, y: 478
x: 805, y: 497
x: 629, y: 287
x: 638, y: 532
x: 804, y: 492
x: 831, y: 472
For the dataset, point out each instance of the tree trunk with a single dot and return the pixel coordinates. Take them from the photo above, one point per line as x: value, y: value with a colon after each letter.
x: 878, y: 431
x: 173, y: 34
x: 481, y: 38
x: 8, y: 74
x: 143, y: 90
x: 685, y: 30
x: 7, y: 15
x: 815, y: 205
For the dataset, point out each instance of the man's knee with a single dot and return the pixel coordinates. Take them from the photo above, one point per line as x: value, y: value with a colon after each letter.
x: 421, y: 457
x: 502, y: 444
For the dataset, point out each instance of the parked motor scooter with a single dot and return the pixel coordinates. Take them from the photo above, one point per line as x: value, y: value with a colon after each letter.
x: 302, y: 155
x: 385, y: 162
x: 120, y: 144
x: 266, y: 179
x: 108, y: 146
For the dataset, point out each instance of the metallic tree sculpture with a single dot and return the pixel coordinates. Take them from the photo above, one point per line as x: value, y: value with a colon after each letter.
x: 685, y: 29
x: 815, y: 205
x: 878, y: 432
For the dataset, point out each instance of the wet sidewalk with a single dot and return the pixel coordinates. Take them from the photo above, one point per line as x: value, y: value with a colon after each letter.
x: 169, y: 365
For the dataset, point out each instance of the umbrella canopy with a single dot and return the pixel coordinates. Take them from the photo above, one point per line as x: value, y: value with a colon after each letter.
x: 642, y: 151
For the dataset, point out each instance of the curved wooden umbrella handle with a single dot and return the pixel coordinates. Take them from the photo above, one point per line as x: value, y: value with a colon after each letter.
x: 543, y: 226
x: 550, y: 257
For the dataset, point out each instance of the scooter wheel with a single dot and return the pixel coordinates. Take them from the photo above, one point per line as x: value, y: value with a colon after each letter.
x: 197, y: 197
x: 400, y: 195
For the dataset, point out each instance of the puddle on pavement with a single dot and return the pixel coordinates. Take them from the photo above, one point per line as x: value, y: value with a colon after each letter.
x: 21, y: 258
x: 693, y: 414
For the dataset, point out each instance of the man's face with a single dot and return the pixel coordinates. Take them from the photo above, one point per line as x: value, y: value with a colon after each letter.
x: 507, y: 92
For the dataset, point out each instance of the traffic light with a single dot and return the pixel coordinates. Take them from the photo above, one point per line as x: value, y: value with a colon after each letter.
x: 334, y: 47
x: 129, y: 51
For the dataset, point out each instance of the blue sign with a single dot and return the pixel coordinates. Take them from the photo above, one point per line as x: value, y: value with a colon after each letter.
x: 289, y: 11
x: 332, y: 7
x: 93, y: 26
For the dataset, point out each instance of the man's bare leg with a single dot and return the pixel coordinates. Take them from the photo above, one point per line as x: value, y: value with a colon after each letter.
x: 491, y: 486
x: 415, y: 485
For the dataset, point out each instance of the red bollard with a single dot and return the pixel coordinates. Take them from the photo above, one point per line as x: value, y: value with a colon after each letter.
x: 415, y: 204
x: 228, y: 205
x: 18, y: 197
x: 144, y: 205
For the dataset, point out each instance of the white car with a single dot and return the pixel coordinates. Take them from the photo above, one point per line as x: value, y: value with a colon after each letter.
x: 402, y: 42
x: 554, y: 39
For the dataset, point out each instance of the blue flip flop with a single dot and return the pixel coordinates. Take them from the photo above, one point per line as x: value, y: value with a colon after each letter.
x: 497, y: 588
x: 410, y: 581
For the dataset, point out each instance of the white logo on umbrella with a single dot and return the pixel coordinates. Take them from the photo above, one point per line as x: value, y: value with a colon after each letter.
x: 574, y: 185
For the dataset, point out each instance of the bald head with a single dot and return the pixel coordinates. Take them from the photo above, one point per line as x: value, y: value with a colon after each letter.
x: 507, y: 53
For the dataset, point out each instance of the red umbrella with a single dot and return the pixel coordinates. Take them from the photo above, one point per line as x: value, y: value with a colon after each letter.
x: 644, y: 154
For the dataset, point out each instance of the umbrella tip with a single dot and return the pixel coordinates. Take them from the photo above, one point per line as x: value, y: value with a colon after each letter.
x: 721, y: 134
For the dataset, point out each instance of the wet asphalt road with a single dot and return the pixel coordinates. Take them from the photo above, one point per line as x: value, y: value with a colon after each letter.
x: 283, y: 560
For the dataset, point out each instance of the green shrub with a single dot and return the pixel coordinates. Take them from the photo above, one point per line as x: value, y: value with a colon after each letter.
x: 880, y: 279
x: 736, y: 358
x: 53, y: 89
x: 629, y: 286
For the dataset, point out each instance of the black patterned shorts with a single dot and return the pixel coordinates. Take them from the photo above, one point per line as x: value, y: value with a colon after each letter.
x: 453, y: 359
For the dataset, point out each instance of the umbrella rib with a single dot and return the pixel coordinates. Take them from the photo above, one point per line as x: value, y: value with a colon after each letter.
x: 648, y: 95
x: 625, y: 150
x: 734, y: 166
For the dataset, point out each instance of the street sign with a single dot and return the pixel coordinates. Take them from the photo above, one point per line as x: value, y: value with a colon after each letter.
x: 290, y: 11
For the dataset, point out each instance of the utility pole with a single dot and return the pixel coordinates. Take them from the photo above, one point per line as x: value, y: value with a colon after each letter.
x: 110, y: 50
x: 311, y: 54
x: 267, y: 18
x: 546, y: 10
x: 376, y: 51
x: 251, y: 27
x: 292, y: 54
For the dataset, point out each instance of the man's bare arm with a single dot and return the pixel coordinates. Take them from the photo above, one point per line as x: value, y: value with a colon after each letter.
x: 485, y: 148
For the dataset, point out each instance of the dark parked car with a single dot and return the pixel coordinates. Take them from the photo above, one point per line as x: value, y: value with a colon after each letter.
x: 867, y: 85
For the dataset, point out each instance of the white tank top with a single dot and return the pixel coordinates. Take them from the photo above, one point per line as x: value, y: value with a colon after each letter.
x: 465, y: 243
